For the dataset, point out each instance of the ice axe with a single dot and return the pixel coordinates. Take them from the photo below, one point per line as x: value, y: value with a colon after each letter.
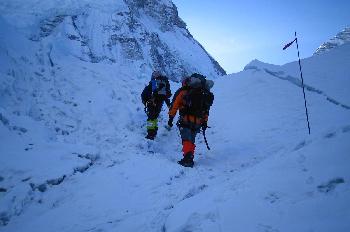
x: 205, y: 139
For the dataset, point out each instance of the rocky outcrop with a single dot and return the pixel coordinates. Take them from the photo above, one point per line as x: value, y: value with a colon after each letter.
x: 141, y: 33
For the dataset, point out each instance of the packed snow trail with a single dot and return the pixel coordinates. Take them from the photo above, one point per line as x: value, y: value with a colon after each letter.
x: 123, y: 161
x: 131, y: 189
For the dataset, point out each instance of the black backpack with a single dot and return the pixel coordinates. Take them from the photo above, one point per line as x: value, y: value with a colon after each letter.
x: 198, y: 99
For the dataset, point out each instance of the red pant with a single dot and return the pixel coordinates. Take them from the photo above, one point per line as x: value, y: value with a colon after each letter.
x: 188, y: 146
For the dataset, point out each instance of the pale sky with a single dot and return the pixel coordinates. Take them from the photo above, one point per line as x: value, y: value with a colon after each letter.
x: 235, y: 32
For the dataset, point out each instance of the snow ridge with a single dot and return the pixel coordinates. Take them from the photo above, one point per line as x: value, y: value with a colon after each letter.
x: 340, y: 39
x: 297, y: 82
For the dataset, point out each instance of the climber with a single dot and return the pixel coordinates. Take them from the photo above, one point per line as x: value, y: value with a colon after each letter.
x: 153, y: 96
x: 193, y: 100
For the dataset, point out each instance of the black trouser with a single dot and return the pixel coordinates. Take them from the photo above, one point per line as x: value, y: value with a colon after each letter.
x: 153, y: 109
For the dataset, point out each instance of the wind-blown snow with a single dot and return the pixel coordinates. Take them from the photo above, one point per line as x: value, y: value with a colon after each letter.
x: 73, y: 155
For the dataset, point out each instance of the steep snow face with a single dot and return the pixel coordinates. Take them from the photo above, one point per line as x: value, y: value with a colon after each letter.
x: 340, y: 39
x: 94, y: 171
x: 289, y: 177
x: 73, y: 155
x: 144, y: 35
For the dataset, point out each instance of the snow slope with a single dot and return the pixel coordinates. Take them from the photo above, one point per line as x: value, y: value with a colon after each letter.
x: 73, y: 155
x: 264, y: 172
x: 274, y: 176
x: 319, y: 78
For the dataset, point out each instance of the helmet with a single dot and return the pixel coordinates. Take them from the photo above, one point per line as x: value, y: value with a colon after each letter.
x: 156, y: 74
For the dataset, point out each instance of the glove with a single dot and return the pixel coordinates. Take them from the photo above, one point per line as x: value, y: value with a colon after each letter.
x: 204, y: 126
x: 170, y: 122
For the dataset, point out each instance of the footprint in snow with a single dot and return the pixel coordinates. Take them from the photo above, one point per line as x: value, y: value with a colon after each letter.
x: 300, y: 145
x: 168, y: 207
x: 194, y: 191
x: 346, y: 129
x: 266, y: 228
x: 199, y: 221
x: 272, y: 197
x: 330, y: 185
x: 330, y: 135
x: 177, y: 176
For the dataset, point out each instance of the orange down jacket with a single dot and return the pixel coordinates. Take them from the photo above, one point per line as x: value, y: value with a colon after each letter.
x: 178, y: 104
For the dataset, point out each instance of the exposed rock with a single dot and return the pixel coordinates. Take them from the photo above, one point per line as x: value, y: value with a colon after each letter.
x: 143, y: 33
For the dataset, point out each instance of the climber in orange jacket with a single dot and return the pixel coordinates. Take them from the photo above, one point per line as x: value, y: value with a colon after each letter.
x: 193, y: 101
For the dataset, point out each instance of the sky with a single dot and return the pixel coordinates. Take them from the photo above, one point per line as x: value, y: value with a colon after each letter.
x: 235, y: 32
